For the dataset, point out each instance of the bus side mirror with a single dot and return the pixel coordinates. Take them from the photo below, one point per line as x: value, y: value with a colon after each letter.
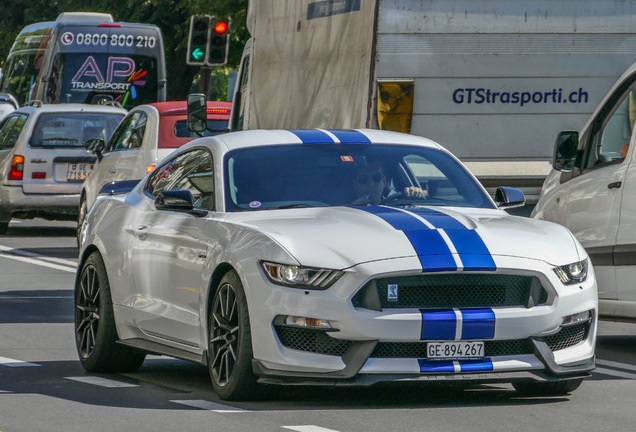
x: 197, y: 113
x: 565, y: 151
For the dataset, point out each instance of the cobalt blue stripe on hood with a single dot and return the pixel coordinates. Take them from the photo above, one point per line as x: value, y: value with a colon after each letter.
x: 473, y: 252
x: 429, y: 245
x: 431, y: 248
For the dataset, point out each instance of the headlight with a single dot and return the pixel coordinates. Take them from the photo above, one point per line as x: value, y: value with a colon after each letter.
x: 572, y: 273
x: 301, y: 277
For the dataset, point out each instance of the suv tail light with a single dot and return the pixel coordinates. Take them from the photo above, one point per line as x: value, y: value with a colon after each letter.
x: 17, y: 168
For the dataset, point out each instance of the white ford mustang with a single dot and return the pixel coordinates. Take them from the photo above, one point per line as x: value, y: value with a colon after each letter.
x: 331, y: 257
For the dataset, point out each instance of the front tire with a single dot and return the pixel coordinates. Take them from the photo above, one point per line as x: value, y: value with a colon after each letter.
x: 230, y: 341
x: 557, y: 388
x: 4, y: 227
x: 95, y: 331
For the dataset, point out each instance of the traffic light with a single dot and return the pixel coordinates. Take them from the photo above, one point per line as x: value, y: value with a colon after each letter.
x: 198, y: 40
x: 219, y: 42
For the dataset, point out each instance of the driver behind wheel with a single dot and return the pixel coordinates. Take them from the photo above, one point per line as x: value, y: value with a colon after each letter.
x: 370, y: 182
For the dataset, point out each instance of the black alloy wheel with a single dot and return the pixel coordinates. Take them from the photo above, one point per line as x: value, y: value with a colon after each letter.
x: 87, y: 311
x: 224, y: 337
x: 95, y: 330
x: 230, y: 341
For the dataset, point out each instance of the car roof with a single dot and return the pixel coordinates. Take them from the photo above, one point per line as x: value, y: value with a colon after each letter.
x: 181, y: 108
x: 255, y: 138
x: 71, y: 108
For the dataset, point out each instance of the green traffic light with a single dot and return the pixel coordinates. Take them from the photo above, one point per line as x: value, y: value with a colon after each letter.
x: 197, y: 54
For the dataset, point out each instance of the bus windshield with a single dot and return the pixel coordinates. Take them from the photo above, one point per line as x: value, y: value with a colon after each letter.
x: 86, y: 78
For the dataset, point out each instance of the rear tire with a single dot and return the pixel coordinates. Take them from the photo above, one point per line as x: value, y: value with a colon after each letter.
x: 230, y: 341
x: 95, y: 331
x: 557, y: 388
x: 81, y: 216
x: 4, y: 227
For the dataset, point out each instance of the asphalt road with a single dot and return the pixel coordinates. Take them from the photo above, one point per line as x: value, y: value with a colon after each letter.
x: 43, y: 387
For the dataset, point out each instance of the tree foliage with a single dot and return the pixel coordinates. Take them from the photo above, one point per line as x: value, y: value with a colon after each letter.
x: 171, y: 16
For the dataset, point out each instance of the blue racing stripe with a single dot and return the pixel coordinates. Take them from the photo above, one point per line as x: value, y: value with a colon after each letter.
x: 426, y: 366
x: 350, y: 136
x: 471, y: 249
x: 312, y: 136
x: 438, y: 219
x: 478, y: 324
x: 438, y: 324
x: 398, y: 220
x: 476, y: 366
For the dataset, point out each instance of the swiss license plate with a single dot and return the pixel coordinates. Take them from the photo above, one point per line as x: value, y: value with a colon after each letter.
x: 459, y: 350
x: 79, y: 171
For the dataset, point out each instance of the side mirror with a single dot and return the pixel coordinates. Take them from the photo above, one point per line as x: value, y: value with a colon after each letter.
x: 507, y: 198
x: 565, y: 151
x: 197, y: 113
x: 96, y: 146
x: 179, y: 201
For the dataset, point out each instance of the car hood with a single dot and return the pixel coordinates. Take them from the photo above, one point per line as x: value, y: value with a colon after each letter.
x: 341, y: 237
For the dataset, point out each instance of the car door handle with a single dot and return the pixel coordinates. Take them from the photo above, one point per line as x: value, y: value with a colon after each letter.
x: 112, y: 170
x: 614, y: 185
x: 141, y: 232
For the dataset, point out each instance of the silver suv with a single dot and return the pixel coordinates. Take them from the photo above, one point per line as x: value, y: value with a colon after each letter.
x: 43, y: 161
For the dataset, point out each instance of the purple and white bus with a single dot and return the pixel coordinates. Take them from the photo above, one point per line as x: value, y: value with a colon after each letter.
x: 87, y: 58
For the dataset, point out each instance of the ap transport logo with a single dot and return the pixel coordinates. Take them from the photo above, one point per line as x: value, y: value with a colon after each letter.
x: 67, y: 38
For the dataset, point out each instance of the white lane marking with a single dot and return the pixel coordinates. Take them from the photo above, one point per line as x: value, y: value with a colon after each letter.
x: 35, y: 255
x: 37, y: 262
x: 615, y: 373
x: 209, y: 406
x: 15, y: 363
x: 616, y: 364
x: 102, y: 382
x: 459, y: 324
x: 308, y: 428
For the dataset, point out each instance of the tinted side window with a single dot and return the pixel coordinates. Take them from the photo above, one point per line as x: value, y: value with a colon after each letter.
x: 130, y: 133
x: 612, y: 131
x: 12, y: 137
x: 6, y: 129
x: 191, y: 171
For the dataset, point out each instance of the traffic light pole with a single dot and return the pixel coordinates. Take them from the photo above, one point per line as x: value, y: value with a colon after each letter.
x: 204, y: 81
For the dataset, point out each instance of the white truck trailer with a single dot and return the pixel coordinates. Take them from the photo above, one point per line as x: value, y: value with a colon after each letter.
x: 492, y: 81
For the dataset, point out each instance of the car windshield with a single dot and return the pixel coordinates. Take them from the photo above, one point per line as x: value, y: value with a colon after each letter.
x: 56, y: 130
x: 347, y: 174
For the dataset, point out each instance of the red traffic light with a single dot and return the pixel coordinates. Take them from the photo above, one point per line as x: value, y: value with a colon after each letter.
x: 220, y: 27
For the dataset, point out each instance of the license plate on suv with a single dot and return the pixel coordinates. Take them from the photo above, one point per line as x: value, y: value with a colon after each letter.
x: 458, y: 350
x: 78, y: 172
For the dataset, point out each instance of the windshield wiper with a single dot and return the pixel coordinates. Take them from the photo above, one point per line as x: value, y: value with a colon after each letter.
x: 297, y: 205
x: 62, y: 139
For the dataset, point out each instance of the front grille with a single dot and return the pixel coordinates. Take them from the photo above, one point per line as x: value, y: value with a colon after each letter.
x: 455, y: 290
x: 418, y: 349
x: 568, y: 336
x: 312, y: 341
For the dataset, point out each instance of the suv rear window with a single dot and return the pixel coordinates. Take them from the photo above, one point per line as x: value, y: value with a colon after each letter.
x: 215, y: 127
x: 69, y: 130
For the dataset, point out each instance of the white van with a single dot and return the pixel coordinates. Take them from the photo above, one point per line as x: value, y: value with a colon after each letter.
x: 592, y: 191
